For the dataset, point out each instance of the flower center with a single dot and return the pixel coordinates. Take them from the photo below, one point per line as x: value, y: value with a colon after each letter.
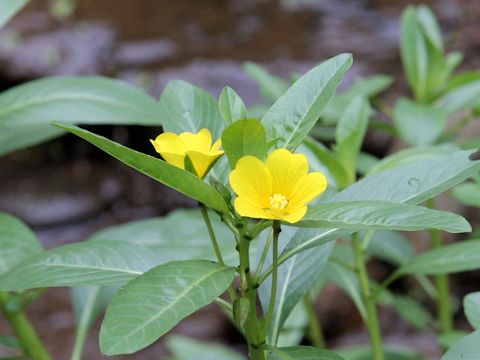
x: 278, y: 202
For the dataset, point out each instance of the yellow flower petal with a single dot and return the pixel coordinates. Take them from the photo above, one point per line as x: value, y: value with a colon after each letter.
x: 169, y: 142
x: 295, y: 216
x: 200, y: 141
x: 313, y: 185
x: 174, y: 159
x: 217, y: 145
x: 251, y: 180
x: 287, y: 170
x: 244, y: 208
x: 203, y: 162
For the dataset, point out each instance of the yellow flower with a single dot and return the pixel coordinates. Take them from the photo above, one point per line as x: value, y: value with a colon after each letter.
x: 198, y: 147
x: 278, y: 189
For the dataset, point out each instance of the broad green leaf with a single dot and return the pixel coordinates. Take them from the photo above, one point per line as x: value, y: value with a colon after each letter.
x: 150, y: 305
x: 271, y: 87
x: 411, y: 154
x: 381, y: 215
x: 468, y: 194
x: 453, y: 258
x: 9, y: 342
x: 244, y: 137
x: 391, y: 246
x: 302, y: 353
x: 429, y: 25
x: 291, y: 117
x: 409, y: 309
x: 176, y: 178
x: 467, y: 349
x: 418, y: 124
x: 366, y: 162
x: 88, y: 303
x: 231, y: 106
x: 85, y: 263
x: 8, y: 9
x: 185, y: 107
x: 295, y: 277
x: 171, y: 240
x: 17, y: 242
x: 26, y: 110
x: 471, y: 304
x: 185, y: 348
x: 461, y: 98
x: 411, y: 183
x: 293, y: 328
x: 450, y: 338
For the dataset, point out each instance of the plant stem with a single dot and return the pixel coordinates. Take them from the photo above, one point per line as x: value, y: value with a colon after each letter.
x: 442, y: 284
x: 373, y: 324
x: 273, y: 294
x: 315, y: 333
x: 264, y: 254
x: 445, y: 318
x: 215, y: 246
x: 247, y: 289
x: 24, y: 331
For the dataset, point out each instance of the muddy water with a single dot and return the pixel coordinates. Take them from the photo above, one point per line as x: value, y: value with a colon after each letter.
x: 66, y: 189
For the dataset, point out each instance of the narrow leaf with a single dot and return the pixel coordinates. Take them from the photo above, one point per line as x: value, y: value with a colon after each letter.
x: 184, y: 348
x: 85, y: 263
x: 231, y: 106
x: 271, y: 87
x: 150, y: 305
x: 378, y: 215
x: 302, y: 353
x: 292, y: 116
x: 453, y: 258
x: 157, y: 169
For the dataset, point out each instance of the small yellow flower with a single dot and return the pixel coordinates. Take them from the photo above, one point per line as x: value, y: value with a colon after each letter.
x: 198, y: 147
x: 278, y: 189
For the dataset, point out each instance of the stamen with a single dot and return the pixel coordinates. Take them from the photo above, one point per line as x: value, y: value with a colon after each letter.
x: 278, y: 202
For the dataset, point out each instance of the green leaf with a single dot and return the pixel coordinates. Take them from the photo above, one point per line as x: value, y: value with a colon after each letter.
x: 381, y: 215
x: 9, y: 342
x: 429, y: 25
x: 411, y: 183
x: 293, y: 328
x: 467, y: 349
x: 453, y: 258
x: 271, y: 87
x: 461, y: 98
x: 17, y: 242
x: 291, y: 117
x: 231, y: 106
x: 85, y: 263
x: 244, y: 137
x: 171, y: 240
x: 8, y: 9
x: 391, y: 247
x: 354, y: 121
x: 27, y: 110
x: 365, y: 353
x: 468, y: 194
x: 413, y: 50
x: 167, y: 174
x: 409, y: 309
x: 449, y: 338
x: 185, y: 107
x: 418, y: 124
x: 185, y: 348
x: 150, y: 305
x: 302, y: 353
x: 295, y: 277
x: 410, y: 155
x: 88, y: 303
x: 471, y: 304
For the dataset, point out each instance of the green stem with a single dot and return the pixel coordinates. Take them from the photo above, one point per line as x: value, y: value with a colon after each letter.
x: 315, y: 333
x: 247, y: 289
x: 23, y: 330
x: 442, y: 284
x: 215, y: 246
x: 264, y: 254
x: 84, y: 325
x: 373, y: 324
x: 273, y: 294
